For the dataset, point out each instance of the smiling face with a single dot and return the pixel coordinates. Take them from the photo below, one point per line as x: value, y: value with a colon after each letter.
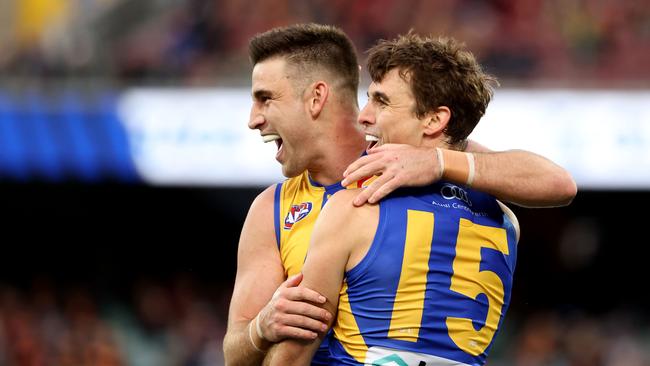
x: 279, y: 112
x: 389, y: 116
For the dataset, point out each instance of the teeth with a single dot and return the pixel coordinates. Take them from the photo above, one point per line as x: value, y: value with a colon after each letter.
x: 270, y: 137
x: 372, y: 138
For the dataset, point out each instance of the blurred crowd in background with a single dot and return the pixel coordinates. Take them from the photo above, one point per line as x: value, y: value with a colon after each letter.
x: 161, y: 322
x: 180, y: 320
x: 177, y: 323
x: 203, y: 42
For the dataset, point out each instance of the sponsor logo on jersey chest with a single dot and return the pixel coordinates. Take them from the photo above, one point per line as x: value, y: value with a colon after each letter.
x: 450, y: 192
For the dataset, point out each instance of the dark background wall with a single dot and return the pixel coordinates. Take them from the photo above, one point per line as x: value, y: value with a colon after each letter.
x: 591, y: 253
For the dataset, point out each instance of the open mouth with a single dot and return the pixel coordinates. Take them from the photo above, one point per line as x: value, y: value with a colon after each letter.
x: 274, y: 137
x: 372, y: 141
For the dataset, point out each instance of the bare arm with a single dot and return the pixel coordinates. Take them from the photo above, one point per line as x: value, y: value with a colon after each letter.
x: 259, y: 273
x: 325, y: 265
x: 515, y: 176
x: 522, y: 177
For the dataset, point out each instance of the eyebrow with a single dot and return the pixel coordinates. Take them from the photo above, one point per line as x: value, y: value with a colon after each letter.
x: 379, y: 96
x: 260, y: 93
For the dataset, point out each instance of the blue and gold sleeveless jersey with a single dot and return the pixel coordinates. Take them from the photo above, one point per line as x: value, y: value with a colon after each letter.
x: 435, y: 284
x: 298, y: 202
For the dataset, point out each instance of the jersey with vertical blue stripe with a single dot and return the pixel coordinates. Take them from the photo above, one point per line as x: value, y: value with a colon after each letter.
x: 435, y: 284
x: 298, y: 202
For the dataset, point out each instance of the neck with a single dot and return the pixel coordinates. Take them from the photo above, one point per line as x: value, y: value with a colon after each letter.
x: 340, y: 146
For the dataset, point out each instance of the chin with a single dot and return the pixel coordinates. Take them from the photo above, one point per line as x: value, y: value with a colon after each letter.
x: 290, y: 172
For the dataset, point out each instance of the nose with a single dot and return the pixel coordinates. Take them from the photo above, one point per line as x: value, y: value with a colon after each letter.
x: 367, y: 115
x: 256, y: 119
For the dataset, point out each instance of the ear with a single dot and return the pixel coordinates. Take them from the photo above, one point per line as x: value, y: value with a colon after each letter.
x: 437, y: 120
x: 318, y: 93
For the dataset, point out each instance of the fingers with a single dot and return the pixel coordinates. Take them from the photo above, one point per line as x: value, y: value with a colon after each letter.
x: 380, y: 148
x: 384, y: 190
x: 294, y: 319
x: 293, y: 312
x: 389, y: 147
x: 354, y: 166
x: 367, y: 192
x: 296, y: 302
x: 376, y: 191
x: 308, y: 314
x: 287, y: 325
x: 396, y: 165
x: 372, y: 164
x: 369, y: 168
x: 303, y: 322
x: 301, y: 294
x: 362, y: 197
x: 278, y: 326
x: 295, y: 333
x: 292, y: 281
x: 289, y: 289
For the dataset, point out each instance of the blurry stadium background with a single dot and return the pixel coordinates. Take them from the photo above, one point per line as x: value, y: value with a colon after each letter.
x: 126, y: 169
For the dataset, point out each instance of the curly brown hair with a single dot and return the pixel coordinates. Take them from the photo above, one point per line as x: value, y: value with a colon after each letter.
x: 307, y: 46
x: 440, y: 73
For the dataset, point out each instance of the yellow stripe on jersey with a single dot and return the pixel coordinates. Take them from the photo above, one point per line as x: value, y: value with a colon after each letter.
x: 346, y: 328
x: 469, y: 280
x: 406, y: 320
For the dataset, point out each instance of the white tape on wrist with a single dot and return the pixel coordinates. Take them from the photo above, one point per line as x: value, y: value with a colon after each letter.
x: 258, y: 328
x: 250, y: 333
x: 470, y: 175
x: 441, y: 161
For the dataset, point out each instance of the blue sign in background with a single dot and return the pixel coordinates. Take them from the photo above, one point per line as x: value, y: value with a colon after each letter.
x: 68, y: 136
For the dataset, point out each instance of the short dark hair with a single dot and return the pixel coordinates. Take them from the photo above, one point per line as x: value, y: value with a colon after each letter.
x: 440, y: 73
x: 309, y: 45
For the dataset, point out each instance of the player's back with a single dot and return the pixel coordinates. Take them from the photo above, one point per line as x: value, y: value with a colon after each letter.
x: 298, y: 202
x: 434, y: 285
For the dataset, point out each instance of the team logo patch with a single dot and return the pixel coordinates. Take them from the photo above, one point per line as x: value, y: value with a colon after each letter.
x: 296, y: 213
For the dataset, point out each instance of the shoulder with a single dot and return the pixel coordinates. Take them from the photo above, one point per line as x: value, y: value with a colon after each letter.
x: 258, y: 233
x: 260, y: 213
x: 351, y: 224
x: 337, y: 209
x: 265, y: 198
x: 343, y: 197
x: 342, y: 203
